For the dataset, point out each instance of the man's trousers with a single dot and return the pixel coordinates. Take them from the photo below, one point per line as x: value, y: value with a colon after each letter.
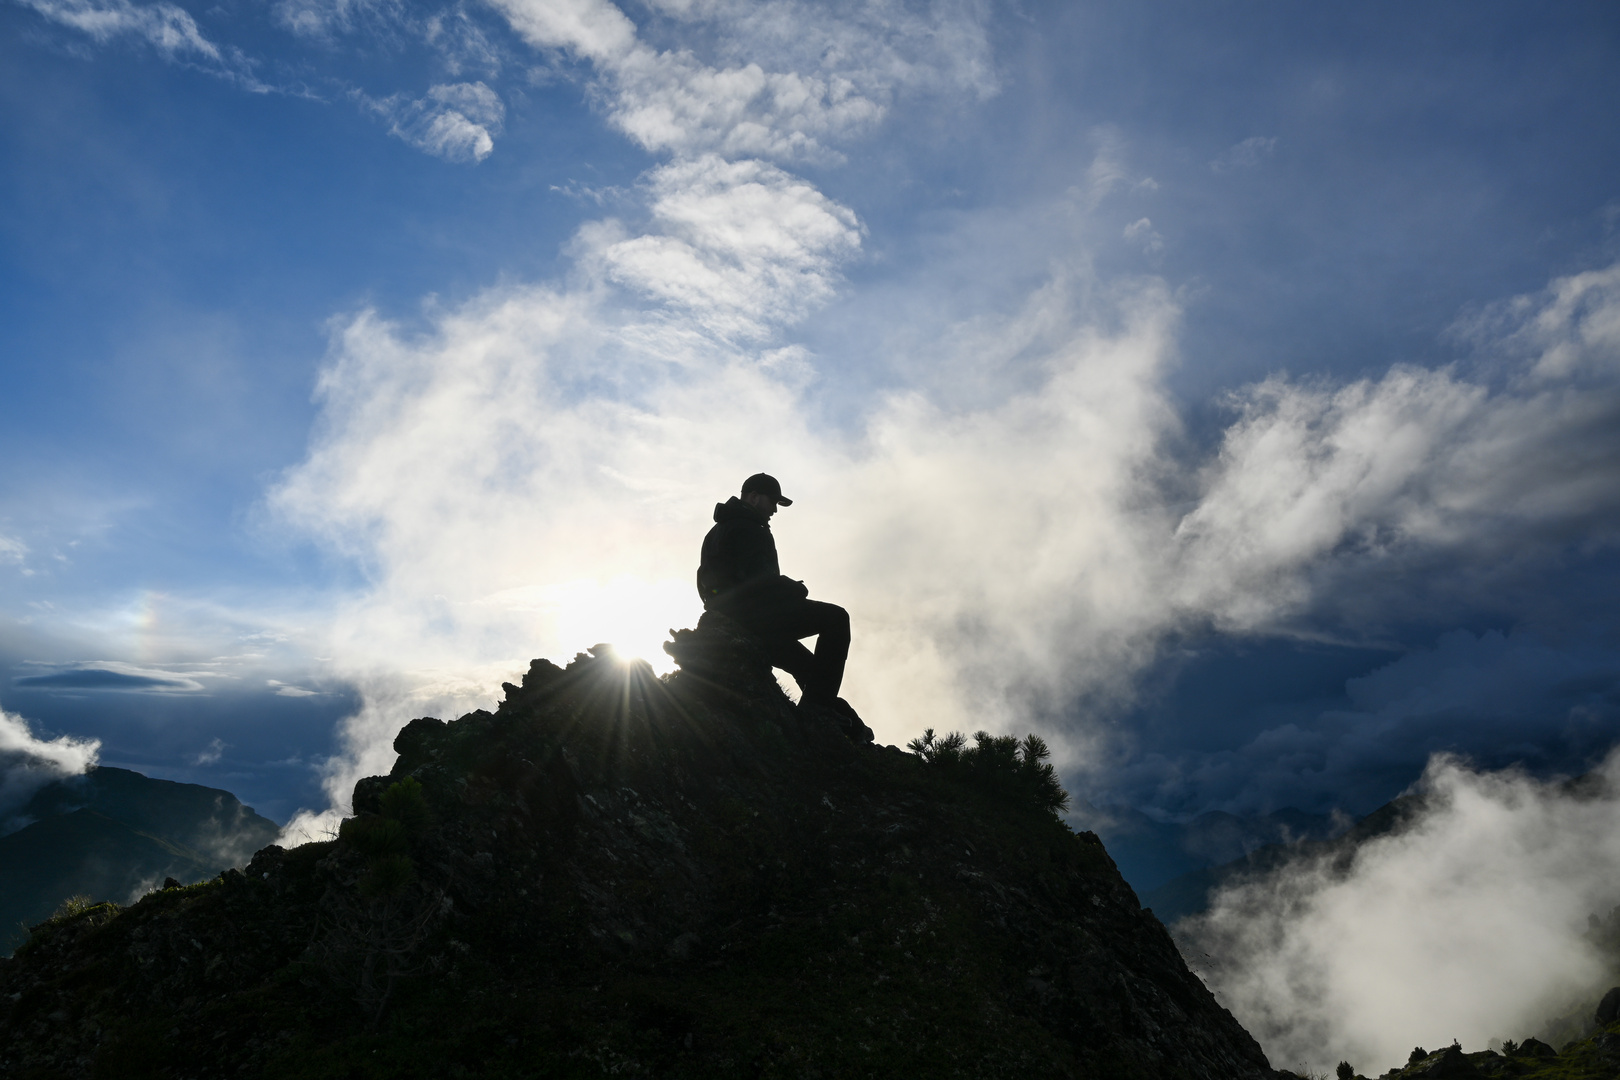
x: 780, y: 626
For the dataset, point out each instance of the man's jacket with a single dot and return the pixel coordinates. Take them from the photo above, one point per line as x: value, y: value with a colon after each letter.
x: 739, y: 574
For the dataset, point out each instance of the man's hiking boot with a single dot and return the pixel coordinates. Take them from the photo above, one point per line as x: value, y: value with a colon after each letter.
x: 843, y: 714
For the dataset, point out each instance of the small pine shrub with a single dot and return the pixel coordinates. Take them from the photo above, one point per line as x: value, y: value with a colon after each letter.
x: 1509, y: 1048
x: 1417, y: 1055
x: 404, y: 803
x: 1003, y: 763
x: 376, y: 837
x: 1344, y: 1071
x: 385, y: 839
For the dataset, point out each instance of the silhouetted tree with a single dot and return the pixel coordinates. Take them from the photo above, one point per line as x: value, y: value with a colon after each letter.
x: 1003, y: 763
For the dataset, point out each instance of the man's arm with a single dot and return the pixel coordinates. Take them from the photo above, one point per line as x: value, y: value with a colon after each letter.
x: 740, y: 570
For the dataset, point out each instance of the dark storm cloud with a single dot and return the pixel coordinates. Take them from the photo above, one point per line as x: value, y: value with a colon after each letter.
x: 1238, y: 737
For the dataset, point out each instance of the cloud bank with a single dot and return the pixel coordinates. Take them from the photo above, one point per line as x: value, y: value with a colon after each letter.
x: 1469, y: 924
x: 28, y: 763
x: 1502, y: 699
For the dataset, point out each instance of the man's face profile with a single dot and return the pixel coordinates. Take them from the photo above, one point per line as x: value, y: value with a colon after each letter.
x: 761, y: 501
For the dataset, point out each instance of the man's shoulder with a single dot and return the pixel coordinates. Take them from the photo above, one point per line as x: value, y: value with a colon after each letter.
x: 737, y: 514
x: 739, y: 527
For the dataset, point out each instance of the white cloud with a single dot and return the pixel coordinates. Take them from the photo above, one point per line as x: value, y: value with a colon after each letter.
x: 1246, y: 154
x: 12, y: 550
x: 1141, y: 231
x: 572, y: 442
x: 596, y: 29
x: 548, y: 450
x: 935, y: 44
x: 742, y: 246
x: 455, y: 121
x: 210, y: 754
x: 670, y: 100
x: 461, y: 43
x: 1468, y: 925
x: 1571, y: 330
x: 28, y: 763
x: 167, y: 27
x: 1316, y: 483
x: 324, y: 18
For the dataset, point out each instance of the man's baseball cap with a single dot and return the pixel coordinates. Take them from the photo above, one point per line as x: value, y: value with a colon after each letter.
x: 764, y: 482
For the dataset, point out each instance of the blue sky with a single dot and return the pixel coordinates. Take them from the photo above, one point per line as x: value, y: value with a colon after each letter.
x: 1228, y: 392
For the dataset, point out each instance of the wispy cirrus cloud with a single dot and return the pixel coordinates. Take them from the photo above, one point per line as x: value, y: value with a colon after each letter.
x: 327, y: 18
x: 839, y: 66
x: 166, y: 27
x: 1245, y: 155
x: 454, y: 121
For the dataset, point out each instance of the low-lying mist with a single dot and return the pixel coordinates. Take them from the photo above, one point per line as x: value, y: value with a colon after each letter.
x: 1471, y: 923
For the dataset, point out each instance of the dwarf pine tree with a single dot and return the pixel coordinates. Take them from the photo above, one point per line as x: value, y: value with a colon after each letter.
x: 1002, y: 763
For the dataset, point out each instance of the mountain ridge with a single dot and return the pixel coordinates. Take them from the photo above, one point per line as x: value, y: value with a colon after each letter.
x: 686, y: 876
x: 111, y: 834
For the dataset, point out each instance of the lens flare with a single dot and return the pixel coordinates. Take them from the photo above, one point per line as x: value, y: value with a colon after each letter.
x: 633, y: 615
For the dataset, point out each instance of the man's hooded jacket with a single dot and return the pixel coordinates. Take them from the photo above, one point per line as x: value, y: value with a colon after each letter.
x: 739, y: 574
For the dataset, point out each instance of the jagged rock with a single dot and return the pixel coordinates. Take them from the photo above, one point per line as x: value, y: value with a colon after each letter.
x: 1608, y: 1009
x: 615, y: 873
x: 1535, y: 1048
x: 1449, y: 1062
x: 725, y: 657
x: 843, y: 717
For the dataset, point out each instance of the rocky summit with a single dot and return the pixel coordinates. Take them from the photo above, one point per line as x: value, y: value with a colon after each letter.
x: 620, y: 874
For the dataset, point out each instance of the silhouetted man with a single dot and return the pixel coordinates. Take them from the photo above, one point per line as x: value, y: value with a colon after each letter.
x: 741, y: 578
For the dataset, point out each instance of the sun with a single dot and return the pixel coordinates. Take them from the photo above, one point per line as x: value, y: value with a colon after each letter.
x: 631, y: 614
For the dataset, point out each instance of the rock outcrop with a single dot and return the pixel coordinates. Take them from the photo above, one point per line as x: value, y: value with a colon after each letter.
x: 620, y: 874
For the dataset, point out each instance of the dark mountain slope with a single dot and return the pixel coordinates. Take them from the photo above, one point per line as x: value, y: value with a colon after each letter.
x: 113, y: 833
x: 202, y: 819
x: 617, y: 874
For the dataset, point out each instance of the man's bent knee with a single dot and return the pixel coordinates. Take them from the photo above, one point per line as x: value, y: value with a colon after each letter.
x: 834, y: 619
